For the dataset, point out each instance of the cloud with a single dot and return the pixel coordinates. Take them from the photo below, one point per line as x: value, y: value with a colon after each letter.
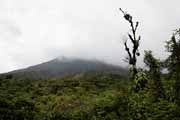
x: 34, y: 31
x: 9, y: 30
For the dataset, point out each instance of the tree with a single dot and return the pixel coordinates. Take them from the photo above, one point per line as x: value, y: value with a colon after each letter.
x: 132, y: 55
x: 173, y: 62
x: 154, y: 66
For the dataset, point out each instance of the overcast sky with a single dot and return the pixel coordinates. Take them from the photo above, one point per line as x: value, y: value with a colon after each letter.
x: 35, y: 31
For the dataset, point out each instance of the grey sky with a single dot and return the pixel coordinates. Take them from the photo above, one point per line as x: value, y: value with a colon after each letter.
x: 34, y: 31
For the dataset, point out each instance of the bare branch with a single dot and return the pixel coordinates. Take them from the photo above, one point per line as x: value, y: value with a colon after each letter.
x: 121, y: 10
x: 137, y: 23
x: 128, y: 51
x: 132, y: 40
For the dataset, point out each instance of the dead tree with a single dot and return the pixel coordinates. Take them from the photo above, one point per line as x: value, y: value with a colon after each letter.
x: 132, y: 55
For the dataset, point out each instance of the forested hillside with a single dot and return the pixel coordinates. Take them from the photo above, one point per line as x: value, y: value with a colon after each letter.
x: 64, y: 66
x: 75, y: 97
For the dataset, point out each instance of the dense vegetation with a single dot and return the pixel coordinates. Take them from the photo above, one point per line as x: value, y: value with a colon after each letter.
x: 85, y: 96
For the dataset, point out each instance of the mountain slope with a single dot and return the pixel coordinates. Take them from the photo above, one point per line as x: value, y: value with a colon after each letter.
x: 65, y: 66
x: 85, y: 96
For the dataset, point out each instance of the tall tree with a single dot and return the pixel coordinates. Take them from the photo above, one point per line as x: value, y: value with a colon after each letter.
x: 173, y: 61
x: 154, y: 66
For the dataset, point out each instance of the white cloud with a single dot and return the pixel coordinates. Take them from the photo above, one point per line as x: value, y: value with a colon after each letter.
x: 34, y: 31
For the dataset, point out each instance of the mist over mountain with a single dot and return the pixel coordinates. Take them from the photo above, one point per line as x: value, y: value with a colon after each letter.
x: 62, y: 66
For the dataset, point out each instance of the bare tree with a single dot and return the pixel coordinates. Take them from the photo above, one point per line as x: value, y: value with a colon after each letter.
x: 132, y: 55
